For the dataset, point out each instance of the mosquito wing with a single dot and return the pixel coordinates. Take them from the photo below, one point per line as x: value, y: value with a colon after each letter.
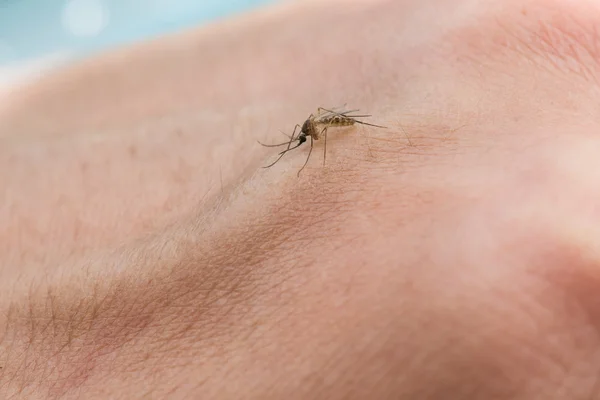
x: 324, y: 114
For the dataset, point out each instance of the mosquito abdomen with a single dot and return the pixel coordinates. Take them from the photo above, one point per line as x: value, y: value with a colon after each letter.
x: 338, y: 120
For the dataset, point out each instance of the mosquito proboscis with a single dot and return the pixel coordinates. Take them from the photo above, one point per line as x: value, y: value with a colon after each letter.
x: 315, y: 127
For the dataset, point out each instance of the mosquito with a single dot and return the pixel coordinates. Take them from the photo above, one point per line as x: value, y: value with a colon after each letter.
x: 315, y: 127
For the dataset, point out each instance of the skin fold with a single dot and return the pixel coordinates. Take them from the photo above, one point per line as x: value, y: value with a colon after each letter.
x: 144, y: 252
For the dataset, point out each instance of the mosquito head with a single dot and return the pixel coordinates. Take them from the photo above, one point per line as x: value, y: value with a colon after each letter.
x: 306, y: 127
x: 301, y: 139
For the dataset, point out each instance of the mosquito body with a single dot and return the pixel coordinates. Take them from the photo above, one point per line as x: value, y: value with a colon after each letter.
x: 315, y: 127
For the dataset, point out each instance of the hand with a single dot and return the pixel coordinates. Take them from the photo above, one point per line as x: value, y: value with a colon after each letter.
x: 145, y: 254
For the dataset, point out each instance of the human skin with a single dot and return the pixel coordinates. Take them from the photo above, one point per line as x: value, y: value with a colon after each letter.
x: 144, y: 252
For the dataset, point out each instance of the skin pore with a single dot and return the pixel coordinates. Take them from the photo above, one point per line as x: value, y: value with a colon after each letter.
x: 144, y: 252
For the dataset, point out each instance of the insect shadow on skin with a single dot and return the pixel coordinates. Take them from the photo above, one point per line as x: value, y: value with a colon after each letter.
x: 315, y: 127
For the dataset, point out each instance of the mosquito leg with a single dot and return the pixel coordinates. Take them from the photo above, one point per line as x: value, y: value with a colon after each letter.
x: 282, y: 154
x: 342, y: 107
x: 275, y: 162
x: 275, y: 145
x: 367, y: 137
x: 289, y: 143
x: 292, y: 148
x: 353, y: 117
x: 321, y: 109
x: 365, y: 123
x: 288, y: 148
x: 341, y: 113
x: 324, y: 133
x: 293, y: 133
x: 307, y: 158
x: 333, y: 109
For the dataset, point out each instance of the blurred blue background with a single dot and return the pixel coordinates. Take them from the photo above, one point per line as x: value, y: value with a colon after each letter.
x: 43, y: 29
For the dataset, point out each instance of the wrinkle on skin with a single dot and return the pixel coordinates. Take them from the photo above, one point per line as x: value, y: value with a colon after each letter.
x: 182, y: 145
x: 197, y: 284
x: 293, y: 287
x: 552, y: 37
x: 181, y: 308
x: 199, y: 288
x: 504, y: 60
